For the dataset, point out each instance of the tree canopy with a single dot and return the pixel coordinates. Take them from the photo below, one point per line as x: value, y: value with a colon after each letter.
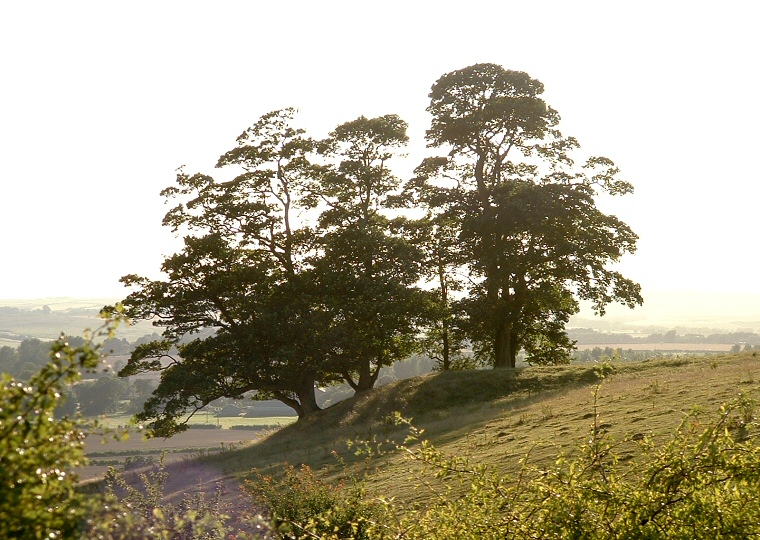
x: 289, y: 306
x: 307, y: 267
x: 367, y: 266
x: 531, y: 234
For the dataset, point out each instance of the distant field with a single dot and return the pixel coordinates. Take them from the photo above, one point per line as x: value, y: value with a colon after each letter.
x: 104, y: 452
x: 691, y: 347
x: 8, y: 343
x: 71, y: 316
x: 224, y: 422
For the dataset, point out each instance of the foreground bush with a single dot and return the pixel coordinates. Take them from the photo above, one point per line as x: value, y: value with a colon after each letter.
x: 703, y: 483
x: 38, y: 452
x: 38, y: 496
x: 303, y: 506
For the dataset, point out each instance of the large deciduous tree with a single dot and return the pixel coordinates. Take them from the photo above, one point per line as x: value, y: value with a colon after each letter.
x: 240, y: 283
x: 279, y: 306
x: 367, y: 266
x: 529, y: 226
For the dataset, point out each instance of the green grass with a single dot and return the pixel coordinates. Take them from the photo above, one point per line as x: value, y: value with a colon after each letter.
x: 498, y: 416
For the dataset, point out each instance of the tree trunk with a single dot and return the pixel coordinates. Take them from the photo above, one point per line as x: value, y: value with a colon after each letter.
x: 506, y: 345
x: 445, y: 323
x: 306, y: 398
x: 367, y: 377
x: 503, y: 347
x: 446, y: 348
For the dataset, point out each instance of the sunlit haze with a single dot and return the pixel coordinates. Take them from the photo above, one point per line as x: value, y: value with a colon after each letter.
x: 100, y: 102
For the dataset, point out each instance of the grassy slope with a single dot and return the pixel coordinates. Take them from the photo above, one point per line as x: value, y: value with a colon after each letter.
x: 496, y: 417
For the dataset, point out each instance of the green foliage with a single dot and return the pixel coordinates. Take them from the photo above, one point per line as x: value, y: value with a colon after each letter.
x: 101, y: 395
x: 527, y: 226
x: 27, y: 360
x: 239, y: 287
x: 366, y: 268
x: 38, y: 452
x: 301, y: 505
x: 276, y: 307
x: 702, y: 483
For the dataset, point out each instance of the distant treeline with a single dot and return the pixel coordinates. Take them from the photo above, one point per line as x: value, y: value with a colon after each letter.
x: 586, y: 336
x: 102, y: 392
x: 25, y: 360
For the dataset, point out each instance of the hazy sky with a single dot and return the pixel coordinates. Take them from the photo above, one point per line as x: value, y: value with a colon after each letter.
x: 100, y: 102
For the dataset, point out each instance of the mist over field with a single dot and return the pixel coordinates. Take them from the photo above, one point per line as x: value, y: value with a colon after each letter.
x: 662, y: 310
x: 672, y: 309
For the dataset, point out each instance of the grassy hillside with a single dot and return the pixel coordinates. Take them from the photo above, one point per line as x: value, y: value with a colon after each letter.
x: 497, y: 417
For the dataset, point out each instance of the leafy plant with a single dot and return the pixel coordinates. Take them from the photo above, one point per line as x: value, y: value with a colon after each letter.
x: 702, y: 483
x: 301, y: 505
x: 37, y: 451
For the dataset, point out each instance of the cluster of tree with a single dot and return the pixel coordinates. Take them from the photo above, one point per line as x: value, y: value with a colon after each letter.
x: 15, y: 311
x: 315, y: 264
x: 33, y: 353
x: 26, y: 360
x: 738, y: 347
x: 590, y: 336
x: 99, y: 392
x: 106, y: 394
x: 618, y: 353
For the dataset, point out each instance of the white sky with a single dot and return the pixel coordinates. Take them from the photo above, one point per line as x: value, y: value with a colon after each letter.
x: 100, y: 102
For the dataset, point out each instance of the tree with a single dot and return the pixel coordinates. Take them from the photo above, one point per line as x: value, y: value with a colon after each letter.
x: 527, y: 220
x: 367, y: 268
x: 242, y: 275
x: 8, y: 359
x: 436, y: 234
x: 34, y: 351
x: 100, y: 396
x: 142, y: 389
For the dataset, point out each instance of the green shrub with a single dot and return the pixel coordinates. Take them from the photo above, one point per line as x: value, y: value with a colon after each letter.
x: 703, y: 483
x: 38, y: 452
x: 300, y: 505
x: 38, y: 496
